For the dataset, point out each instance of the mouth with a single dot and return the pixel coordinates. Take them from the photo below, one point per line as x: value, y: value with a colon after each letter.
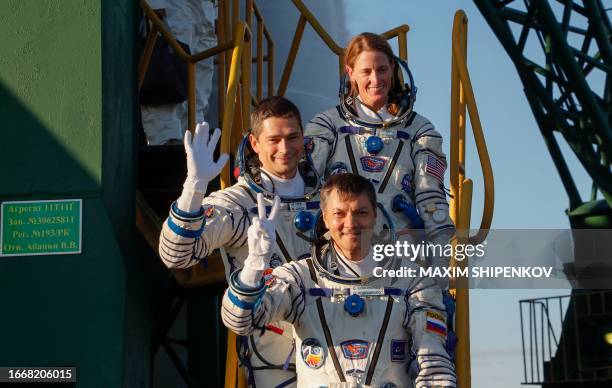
x: 283, y: 159
x: 376, y: 89
x: 353, y: 235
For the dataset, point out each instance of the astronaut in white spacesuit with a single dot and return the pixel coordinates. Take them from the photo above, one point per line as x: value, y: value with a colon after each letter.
x: 352, y: 327
x: 191, y: 22
x: 375, y: 133
x: 271, y: 162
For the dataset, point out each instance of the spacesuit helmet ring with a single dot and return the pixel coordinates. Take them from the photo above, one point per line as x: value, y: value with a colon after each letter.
x: 405, y: 98
x: 248, y: 167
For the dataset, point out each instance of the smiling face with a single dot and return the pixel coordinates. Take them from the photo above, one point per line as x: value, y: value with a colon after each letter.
x: 350, y: 221
x: 373, y: 74
x: 279, y: 145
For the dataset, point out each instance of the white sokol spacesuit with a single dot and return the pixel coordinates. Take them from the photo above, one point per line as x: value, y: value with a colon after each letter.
x: 401, y: 155
x: 349, y: 331
x: 222, y: 222
x: 191, y: 22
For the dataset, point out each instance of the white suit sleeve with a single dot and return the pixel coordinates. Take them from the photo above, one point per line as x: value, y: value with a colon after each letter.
x: 430, y: 197
x: 188, y: 238
x: 426, y: 321
x: 245, y: 310
x: 320, y: 136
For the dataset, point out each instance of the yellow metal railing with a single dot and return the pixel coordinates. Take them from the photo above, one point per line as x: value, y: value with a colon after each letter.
x: 236, y: 46
x: 462, y: 97
x: 235, y: 98
x: 234, y: 60
x: 306, y: 16
x: 229, y: 17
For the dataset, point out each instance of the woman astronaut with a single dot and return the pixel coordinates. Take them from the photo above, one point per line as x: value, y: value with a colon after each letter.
x: 374, y: 132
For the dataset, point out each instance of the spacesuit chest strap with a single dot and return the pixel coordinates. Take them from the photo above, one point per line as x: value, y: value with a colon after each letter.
x: 311, y: 269
x: 351, y: 154
x: 391, y: 167
x: 379, y: 341
x: 328, y: 337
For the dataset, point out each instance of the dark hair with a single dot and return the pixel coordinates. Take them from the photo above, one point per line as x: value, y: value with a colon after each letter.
x: 273, y: 107
x: 348, y: 186
x: 368, y: 41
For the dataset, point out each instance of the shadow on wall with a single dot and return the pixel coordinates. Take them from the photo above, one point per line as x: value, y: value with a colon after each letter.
x: 92, y: 310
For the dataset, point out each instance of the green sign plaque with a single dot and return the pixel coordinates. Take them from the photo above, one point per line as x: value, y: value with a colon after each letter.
x: 41, y: 227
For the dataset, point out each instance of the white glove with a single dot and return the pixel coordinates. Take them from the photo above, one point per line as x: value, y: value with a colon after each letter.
x: 261, y: 240
x: 201, y: 168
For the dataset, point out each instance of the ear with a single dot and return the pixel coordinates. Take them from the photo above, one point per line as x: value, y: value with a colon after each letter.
x: 254, y: 143
x: 324, y: 214
x: 349, y: 71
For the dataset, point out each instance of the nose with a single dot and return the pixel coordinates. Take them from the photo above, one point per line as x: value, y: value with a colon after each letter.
x: 350, y: 220
x: 283, y: 146
x: 375, y: 77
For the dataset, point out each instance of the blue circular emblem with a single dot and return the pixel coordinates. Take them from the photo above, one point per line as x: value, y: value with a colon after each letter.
x: 388, y: 385
x: 304, y: 221
x: 374, y: 144
x: 275, y: 261
x: 337, y: 168
x: 354, y: 305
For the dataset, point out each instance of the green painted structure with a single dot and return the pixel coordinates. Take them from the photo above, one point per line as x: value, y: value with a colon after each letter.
x: 67, y: 84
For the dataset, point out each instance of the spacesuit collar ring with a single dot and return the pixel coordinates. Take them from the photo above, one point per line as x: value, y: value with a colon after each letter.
x: 245, y: 168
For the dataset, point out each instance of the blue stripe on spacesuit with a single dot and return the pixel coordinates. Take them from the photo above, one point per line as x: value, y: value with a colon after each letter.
x: 184, y: 232
x: 366, y: 131
x: 241, y: 303
x: 196, y: 214
x: 429, y: 150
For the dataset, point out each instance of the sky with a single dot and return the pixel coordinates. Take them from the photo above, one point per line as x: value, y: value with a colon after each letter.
x: 528, y: 190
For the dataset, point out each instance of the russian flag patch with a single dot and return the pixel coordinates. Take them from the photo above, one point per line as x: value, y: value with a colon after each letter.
x: 435, y: 323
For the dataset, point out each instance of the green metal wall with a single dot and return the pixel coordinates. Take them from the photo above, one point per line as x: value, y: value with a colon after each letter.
x: 67, y: 117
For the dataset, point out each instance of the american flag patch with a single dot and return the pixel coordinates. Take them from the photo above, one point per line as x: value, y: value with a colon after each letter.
x: 436, y: 167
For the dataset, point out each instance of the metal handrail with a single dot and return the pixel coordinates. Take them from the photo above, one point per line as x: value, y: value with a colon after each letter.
x: 229, y: 16
x: 241, y: 36
x: 307, y: 17
x: 158, y: 27
x: 462, y: 96
x: 234, y: 108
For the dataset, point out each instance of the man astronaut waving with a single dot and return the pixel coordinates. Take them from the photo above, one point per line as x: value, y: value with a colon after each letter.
x: 351, y: 329
x: 271, y: 163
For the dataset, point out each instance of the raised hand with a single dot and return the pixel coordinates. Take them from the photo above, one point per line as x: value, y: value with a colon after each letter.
x: 201, y: 168
x: 261, y: 241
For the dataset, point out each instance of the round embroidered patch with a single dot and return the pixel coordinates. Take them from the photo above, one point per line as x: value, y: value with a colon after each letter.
x: 338, y: 168
x: 312, y: 353
x: 388, y: 385
x: 275, y: 261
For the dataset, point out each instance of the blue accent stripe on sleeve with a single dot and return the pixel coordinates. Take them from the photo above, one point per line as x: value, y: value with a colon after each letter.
x: 198, y: 213
x: 184, y: 232
x: 240, y: 303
